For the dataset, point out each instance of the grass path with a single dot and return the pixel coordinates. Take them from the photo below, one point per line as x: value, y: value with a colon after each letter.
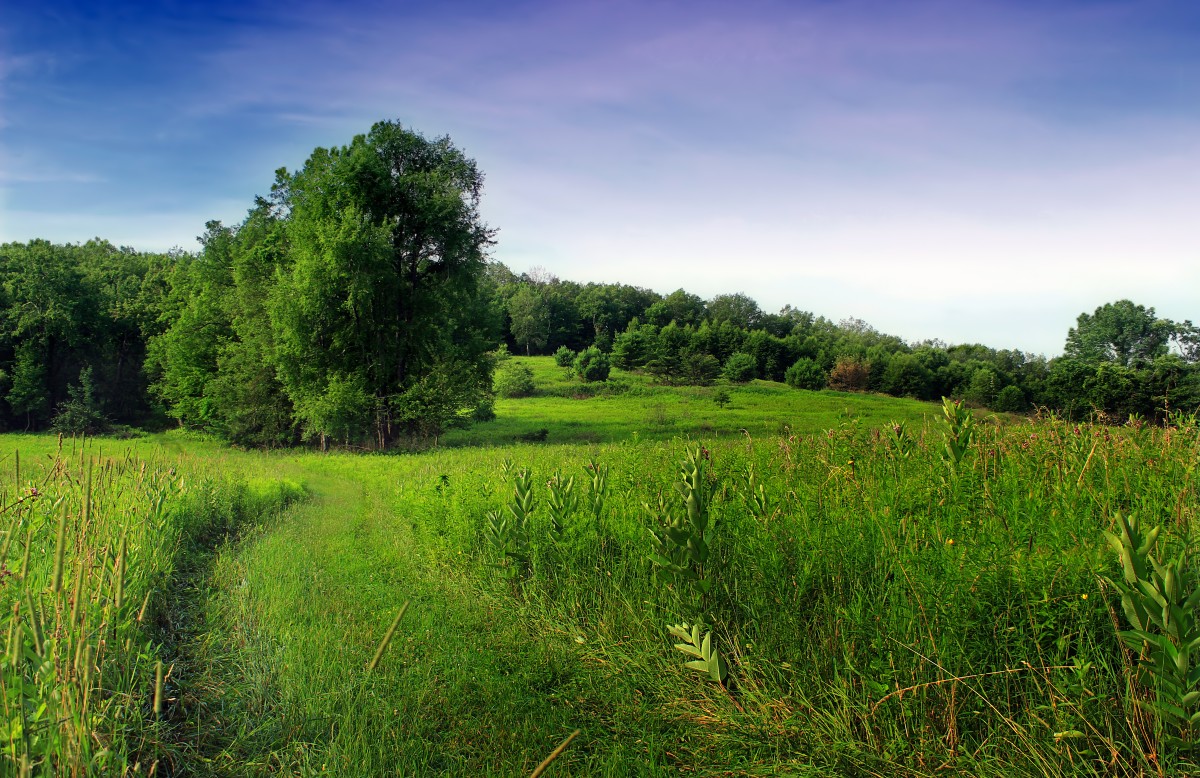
x: 464, y: 688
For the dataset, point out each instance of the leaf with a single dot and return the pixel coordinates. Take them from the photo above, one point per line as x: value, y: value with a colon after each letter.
x: 661, y: 560
x: 718, y: 670
x: 682, y: 631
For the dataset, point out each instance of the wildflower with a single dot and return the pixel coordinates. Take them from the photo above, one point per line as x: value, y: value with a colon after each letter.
x: 950, y: 542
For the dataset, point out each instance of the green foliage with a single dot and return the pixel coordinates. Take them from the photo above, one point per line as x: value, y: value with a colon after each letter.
x: 708, y: 660
x: 679, y: 546
x: 983, y: 388
x: 805, y: 374
x: 514, y: 379
x: 737, y: 309
x: 592, y: 365
x: 958, y: 432
x: 449, y: 396
x: 907, y: 376
x: 1119, y: 332
x: 339, y: 411
x: 1161, y: 598
x: 634, y: 347
x: 680, y: 553
x: 698, y: 368
x: 1010, y: 399
x: 564, y: 357
x: 508, y: 531
x: 95, y: 559
x: 901, y: 440
x: 721, y: 397
x: 28, y: 394
x: 740, y: 368
x: 529, y: 315
x: 597, y: 495
x: 562, y: 503
x: 80, y: 414
x: 912, y: 623
x: 385, y: 252
x: 679, y: 307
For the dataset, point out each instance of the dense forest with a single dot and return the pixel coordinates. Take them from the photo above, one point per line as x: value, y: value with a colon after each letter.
x: 356, y: 304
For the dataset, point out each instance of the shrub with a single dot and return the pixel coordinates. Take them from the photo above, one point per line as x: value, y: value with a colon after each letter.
x: 604, y: 341
x: 501, y: 354
x: 486, y: 409
x: 740, y: 368
x: 514, y: 380
x: 592, y: 365
x: 80, y: 413
x: 699, y: 368
x: 983, y: 387
x: 1010, y: 400
x: 805, y: 374
x: 564, y: 357
x: 850, y: 375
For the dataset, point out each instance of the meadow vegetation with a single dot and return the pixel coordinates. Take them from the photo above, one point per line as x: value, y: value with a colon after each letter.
x: 103, y: 542
x: 930, y: 596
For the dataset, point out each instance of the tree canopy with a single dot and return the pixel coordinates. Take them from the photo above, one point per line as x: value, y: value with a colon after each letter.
x: 1119, y: 332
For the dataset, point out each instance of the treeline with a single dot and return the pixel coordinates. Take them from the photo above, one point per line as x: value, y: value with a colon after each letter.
x: 356, y: 304
x: 75, y: 321
x: 350, y: 305
x: 258, y: 337
x: 1120, y: 361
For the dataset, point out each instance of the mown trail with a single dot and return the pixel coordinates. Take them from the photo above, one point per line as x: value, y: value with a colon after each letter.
x: 295, y: 614
x: 887, y: 606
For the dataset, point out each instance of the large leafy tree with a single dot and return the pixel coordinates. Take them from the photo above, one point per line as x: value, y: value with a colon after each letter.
x: 737, y: 309
x: 529, y: 316
x: 380, y: 289
x: 1120, y: 332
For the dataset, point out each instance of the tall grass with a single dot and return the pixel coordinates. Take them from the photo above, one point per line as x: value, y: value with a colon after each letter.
x: 901, y: 600
x: 887, y: 605
x: 94, y: 541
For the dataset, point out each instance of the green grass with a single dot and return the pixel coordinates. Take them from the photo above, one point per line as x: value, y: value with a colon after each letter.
x: 100, y: 538
x: 883, y: 613
x: 630, y: 406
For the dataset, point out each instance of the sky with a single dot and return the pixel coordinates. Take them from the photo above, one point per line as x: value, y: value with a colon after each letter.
x: 966, y: 171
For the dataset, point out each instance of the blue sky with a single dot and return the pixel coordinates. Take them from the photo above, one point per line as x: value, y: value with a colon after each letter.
x: 971, y: 171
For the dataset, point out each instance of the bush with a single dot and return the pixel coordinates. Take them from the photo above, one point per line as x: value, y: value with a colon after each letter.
x: 604, y: 341
x: 983, y: 387
x: 80, y: 413
x: 486, y: 409
x: 740, y: 368
x: 805, y: 374
x: 850, y: 375
x: 514, y: 380
x: 1010, y: 400
x: 699, y: 367
x: 592, y: 365
x: 564, y: 357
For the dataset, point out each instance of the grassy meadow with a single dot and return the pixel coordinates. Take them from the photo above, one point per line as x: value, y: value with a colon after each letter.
x: 883, y: 595
x: 630, y: 407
